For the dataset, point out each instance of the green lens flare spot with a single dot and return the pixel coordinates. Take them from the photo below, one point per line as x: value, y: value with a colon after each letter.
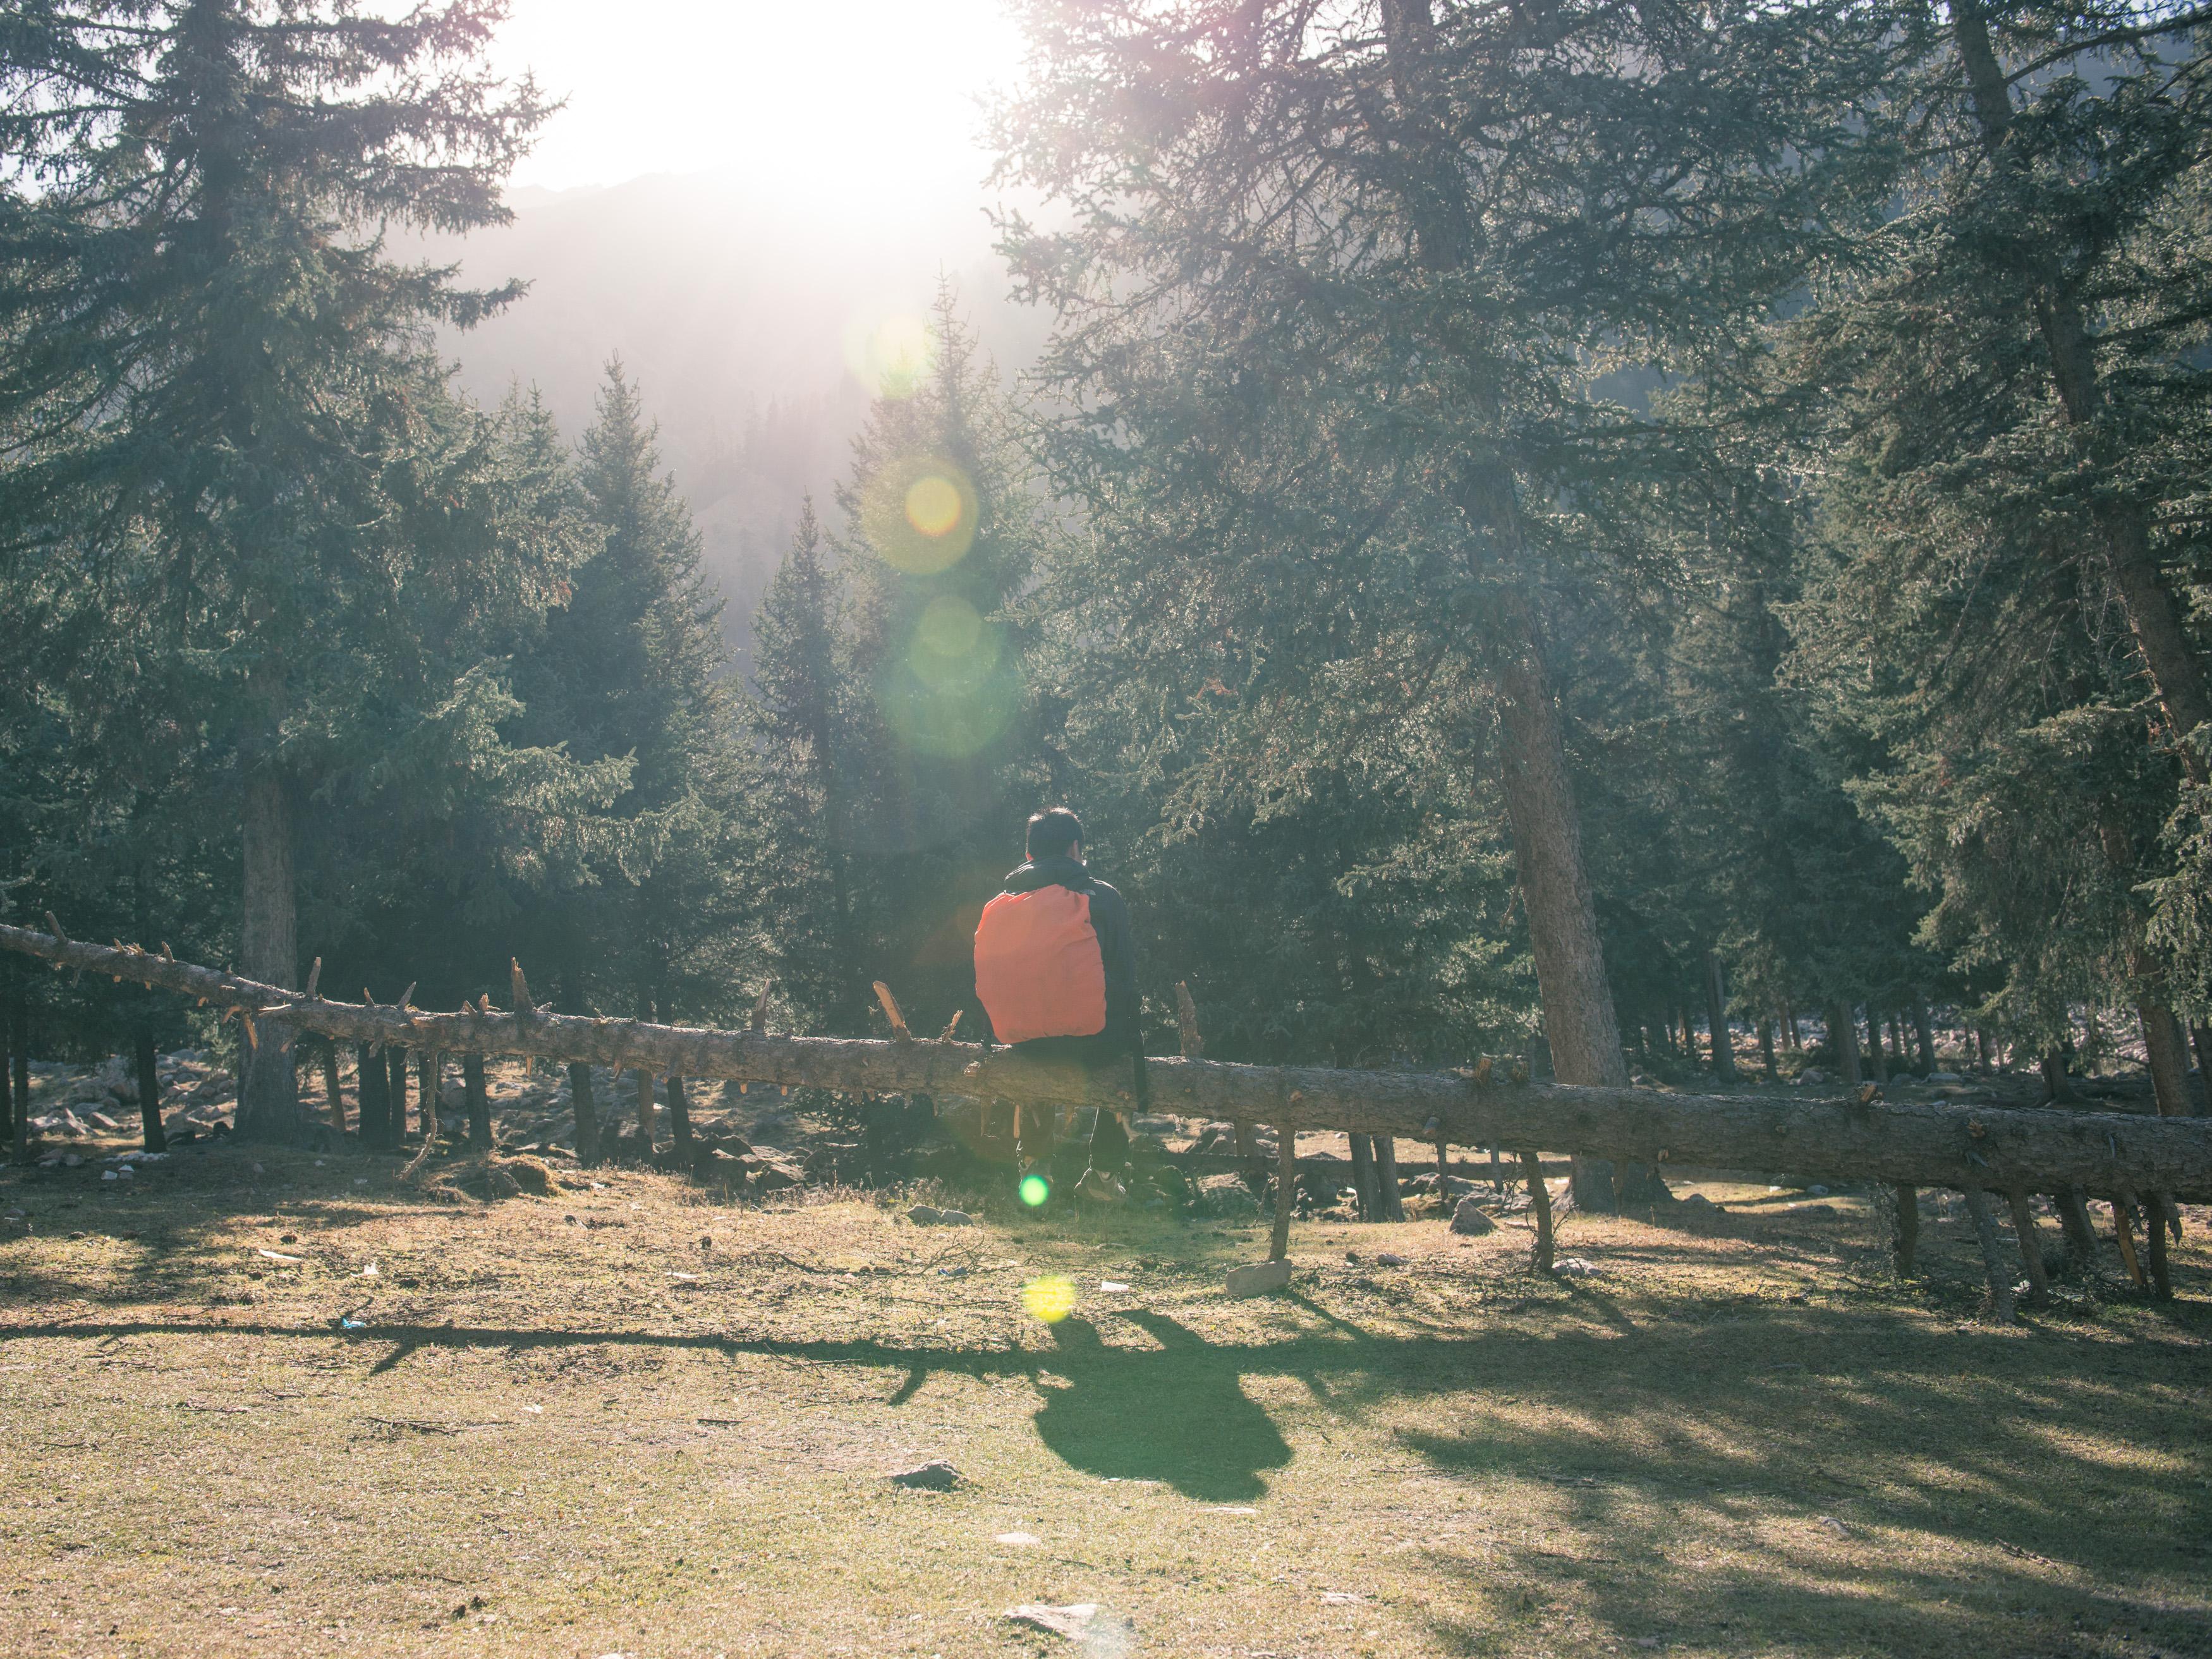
x: 1035, y: 1190
x: 1050, y: 1299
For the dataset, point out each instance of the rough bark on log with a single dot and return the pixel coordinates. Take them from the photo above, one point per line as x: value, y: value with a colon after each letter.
x: 1991, y: 1148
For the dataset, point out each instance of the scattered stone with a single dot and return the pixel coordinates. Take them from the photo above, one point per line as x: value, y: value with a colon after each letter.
x: 1570, y: 1267
x: 955, y: 1218
x: 1812, y: 1075
x: 1225, y: 1195
x: 1342, y: 1599
x: 1019, y: 1540
x: 1697, y: 1201
x: 1112, y: 1286
x: 1840, y: 1529
x: 1389, y: 1259
x: 107, y: 1175
x: 1258, y: 1279
x: 1818, y: 1192
x: 924, y: 1215
x: 1944, y: 1077
x: 1080, y: 1621
x: 937, y: 1475
x: 1469, y: 1217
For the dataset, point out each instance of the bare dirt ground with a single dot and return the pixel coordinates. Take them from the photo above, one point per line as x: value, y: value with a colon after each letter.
x: 261, y: 1403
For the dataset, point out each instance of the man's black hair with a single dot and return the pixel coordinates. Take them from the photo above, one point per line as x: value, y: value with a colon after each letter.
x: 1053, y: 831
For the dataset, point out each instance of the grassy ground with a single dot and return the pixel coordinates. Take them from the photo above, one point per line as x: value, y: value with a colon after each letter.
x: 621, y: 1420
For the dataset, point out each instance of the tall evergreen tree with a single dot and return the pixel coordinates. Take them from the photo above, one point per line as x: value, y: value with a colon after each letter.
x: 218, y: 356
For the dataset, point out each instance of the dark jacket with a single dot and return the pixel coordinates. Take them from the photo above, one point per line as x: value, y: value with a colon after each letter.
x: 1117, y: 950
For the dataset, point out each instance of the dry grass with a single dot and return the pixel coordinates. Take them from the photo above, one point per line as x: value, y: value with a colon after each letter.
x: 1745, y: 1440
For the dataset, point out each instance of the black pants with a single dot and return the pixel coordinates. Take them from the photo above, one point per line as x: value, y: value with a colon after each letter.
x: 1109, y: 1140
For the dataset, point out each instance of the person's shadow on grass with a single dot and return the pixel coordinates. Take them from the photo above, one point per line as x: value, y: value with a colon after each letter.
x: 1177, y: 1414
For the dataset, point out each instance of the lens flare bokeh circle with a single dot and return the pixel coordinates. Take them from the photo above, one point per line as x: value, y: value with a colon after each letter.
x: 1051, y: 1299
x: 920, y: 513
x: 1035, y: 1190
x: 890, y: 353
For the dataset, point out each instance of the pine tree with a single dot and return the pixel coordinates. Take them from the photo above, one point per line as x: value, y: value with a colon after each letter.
x: 943, y: 758
x: 226, y: 362
x: 801, y: 714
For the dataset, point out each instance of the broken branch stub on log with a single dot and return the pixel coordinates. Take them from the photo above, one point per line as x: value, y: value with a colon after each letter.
x: 1986, y: 1148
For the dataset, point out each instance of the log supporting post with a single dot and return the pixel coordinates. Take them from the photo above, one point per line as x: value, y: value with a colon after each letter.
x: 647, y: 1130
x: 368, y: 1083
x: 1905, y: 1228
x: 2154, y: 1214
x: 1386, y: 1179
x: 149, y: 1090
x: 2124, y: 1233
x: 1286, y: 1191
x: 333, y: 1093
x: 472, y: 1085
x: 679, y: 1121
x: 429, y: 1080
x: 2031, y: 1247
x: 1539, y: 1205
x: 395, y: 1063
x: 1363, y: 1178
x: 2074, y: 1221
x: 20, y: 1060
x: 1993, y: 1254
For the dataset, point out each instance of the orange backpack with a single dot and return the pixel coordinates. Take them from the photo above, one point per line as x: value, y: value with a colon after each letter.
x: 1038, y: 967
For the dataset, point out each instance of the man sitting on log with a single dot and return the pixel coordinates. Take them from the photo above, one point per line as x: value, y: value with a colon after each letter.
x: 1056, y: 971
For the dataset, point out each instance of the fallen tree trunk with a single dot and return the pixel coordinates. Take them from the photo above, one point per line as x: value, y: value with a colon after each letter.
x: 1994, y: 1149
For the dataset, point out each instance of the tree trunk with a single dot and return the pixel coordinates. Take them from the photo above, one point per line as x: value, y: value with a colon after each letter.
x: 2123, y: 528
x: 1555, y: 894
x: 648, y: 1130
x: 149, y: 1090
x: 269, y: 950
x: 679, y: 1120
x: 1925, y: 1029
x: 2169, y: 1061
x: 1880, y: 1061
x: 1766, y: 1051
x: 2200, y: 1038
x: 1791, y: 1039
x: 2057, y: 1087
x: 472, y: 1084
x: 1842, y: 1040
x: 370, y: 1082
x: 1716, y: 1015
x: 1386, y: 1178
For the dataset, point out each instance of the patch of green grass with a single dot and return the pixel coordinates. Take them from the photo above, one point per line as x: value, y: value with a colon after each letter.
x: 563, y: 1426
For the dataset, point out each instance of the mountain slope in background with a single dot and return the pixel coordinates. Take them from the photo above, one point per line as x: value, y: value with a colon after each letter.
x: 739, y: 319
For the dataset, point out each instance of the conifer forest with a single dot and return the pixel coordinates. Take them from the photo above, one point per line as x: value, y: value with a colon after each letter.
x: 1623, y: 590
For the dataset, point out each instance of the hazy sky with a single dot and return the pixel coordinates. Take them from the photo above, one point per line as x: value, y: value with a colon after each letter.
x: 864, y: 102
